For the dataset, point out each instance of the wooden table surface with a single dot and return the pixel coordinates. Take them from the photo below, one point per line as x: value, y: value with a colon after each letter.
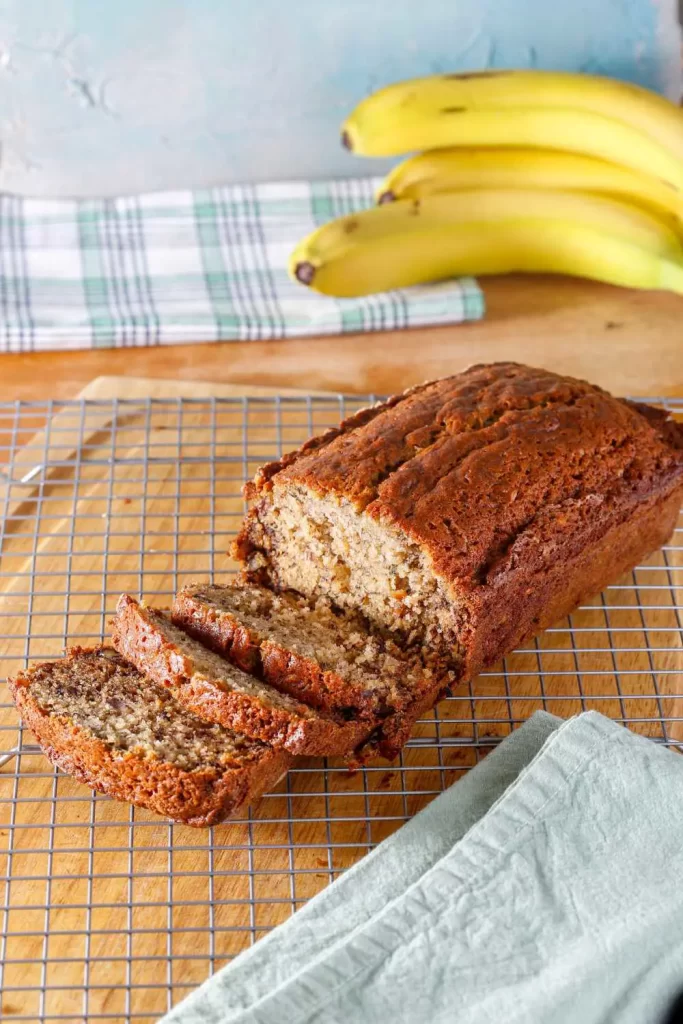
x: 628, y: 341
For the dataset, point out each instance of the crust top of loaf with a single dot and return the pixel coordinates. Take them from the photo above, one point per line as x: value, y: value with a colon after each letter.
x: 470, y: 465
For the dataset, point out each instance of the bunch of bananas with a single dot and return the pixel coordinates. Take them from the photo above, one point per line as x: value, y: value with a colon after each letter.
x: 522, y: 171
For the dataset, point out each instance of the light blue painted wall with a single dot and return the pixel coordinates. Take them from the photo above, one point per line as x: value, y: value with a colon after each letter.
x: 106, y: 96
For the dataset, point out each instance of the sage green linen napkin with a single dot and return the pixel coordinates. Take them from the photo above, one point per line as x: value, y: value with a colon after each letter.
x: 543, y: 887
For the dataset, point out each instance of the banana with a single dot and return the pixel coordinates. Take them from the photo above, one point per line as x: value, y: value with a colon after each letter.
x: 577, y: 131
x: 451, y: 170
x: 489, y: 232
x: 381, y: 125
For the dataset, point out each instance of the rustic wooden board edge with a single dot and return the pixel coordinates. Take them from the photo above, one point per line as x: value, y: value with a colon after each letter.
x: 159, y: 387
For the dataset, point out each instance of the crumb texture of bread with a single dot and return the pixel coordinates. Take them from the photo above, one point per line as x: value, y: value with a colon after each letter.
x: 476, y: 487
x: 187, y: 657
x: 110, y: 699
x: 99, y: 719
x: 209, y: 685
x: 338, y: 642
x: 331, y: 659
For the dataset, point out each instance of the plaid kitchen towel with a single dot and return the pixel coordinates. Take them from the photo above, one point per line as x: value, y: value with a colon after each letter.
x: 188, y: 266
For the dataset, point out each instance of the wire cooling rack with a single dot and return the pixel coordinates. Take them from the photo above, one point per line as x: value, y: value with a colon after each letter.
x: 110, y: 913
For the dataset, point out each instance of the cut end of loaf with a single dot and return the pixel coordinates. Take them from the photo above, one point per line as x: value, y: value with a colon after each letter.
x: 323, y: 547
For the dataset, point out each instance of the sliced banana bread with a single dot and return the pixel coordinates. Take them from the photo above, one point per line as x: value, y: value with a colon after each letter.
x: 100, y: 720
x: 469, y: 512
x: 210, y: 686
x: 331, y: 660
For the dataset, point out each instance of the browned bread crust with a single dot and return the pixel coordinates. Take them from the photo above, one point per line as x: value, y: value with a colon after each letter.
x: 141, y: 635
x: 385, y: 706
x: 200, y: 797
x: 525, y: 492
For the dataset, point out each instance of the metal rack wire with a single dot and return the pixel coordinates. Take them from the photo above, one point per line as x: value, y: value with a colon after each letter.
x: 109, y: 913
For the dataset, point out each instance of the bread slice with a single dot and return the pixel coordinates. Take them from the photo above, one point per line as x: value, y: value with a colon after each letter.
x: 332, y: 661
x: 219, y: 691
x: 470, y: 512
x: 96, y: 717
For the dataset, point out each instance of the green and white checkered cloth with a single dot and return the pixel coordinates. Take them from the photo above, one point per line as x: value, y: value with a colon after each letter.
x: 188, y: 266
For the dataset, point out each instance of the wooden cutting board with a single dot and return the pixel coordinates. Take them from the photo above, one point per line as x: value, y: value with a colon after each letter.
x: 137, y: 908
x: 155, y: 387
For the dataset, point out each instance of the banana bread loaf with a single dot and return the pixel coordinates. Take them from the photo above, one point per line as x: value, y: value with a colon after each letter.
x: 331, y: 661
x: 469, y: 512
x: 100, y: 720
x: 219, y: 691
